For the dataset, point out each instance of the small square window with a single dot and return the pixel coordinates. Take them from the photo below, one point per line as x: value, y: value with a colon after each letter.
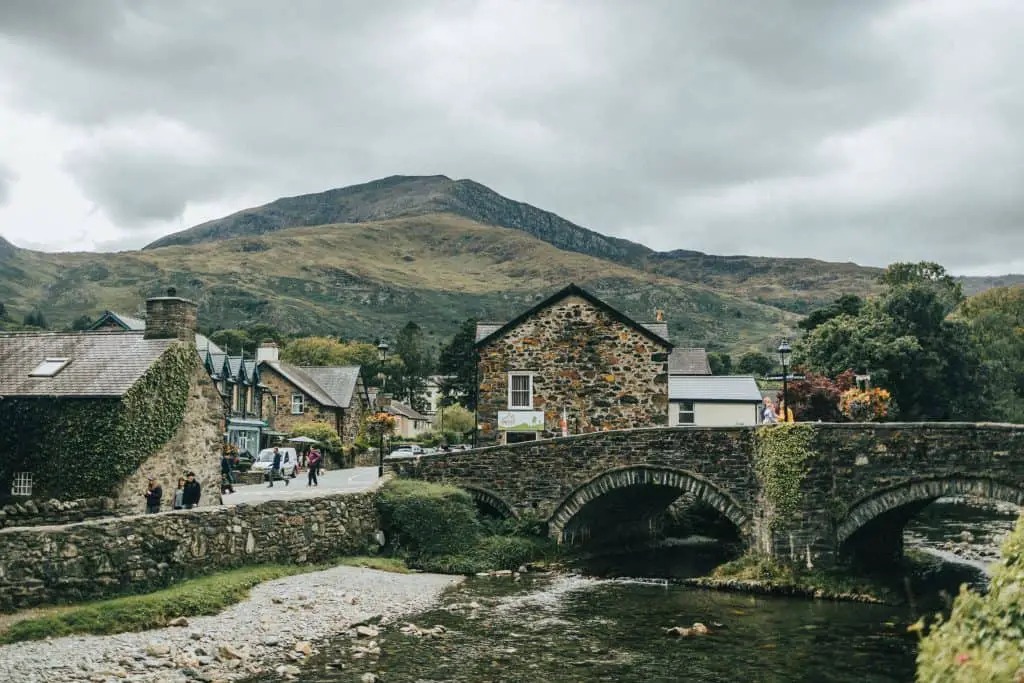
x: 22, y: 485
x: 50, y: 367
x: 520, y: 390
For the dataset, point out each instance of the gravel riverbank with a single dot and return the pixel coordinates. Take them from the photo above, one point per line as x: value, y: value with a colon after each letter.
x: 274, y: 630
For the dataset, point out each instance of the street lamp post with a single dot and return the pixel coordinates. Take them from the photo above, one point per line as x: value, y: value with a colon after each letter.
x: 382, y: 355
x: 784, y: 352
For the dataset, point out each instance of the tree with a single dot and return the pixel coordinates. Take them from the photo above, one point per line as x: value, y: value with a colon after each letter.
x: 721, y: 363
x: 755, y: 363
x: 905, y: 341
x: 35, y: 318
x: 996, y: 321
x: 411, y: 383
x: 261, y: 332
x: 234, y: 341
x: 3, y: 313
x: 455, y: 418
x: 847, y: 304
x: 321, y: 432
x: 816, y: 397
x: 457, y: 362
x: 82, y: 322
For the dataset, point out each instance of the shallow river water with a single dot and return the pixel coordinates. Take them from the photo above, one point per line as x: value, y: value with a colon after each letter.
x: 564, y: 629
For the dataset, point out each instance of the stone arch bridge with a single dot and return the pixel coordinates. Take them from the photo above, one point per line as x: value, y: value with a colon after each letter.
x: 861, y: 485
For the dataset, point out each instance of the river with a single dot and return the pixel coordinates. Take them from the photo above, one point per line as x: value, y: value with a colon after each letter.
x: 609, y: 624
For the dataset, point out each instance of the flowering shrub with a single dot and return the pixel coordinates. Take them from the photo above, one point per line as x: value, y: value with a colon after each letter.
x: 816, y: 397
x: 380, y: 423
x: 865, y: 406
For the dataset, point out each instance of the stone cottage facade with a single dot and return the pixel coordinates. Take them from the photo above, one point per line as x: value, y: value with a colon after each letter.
x: 294, y: 394
x: 574, y: 357
x: 97, y: 413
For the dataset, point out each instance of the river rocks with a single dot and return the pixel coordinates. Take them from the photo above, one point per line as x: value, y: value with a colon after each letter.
x: 698, y: 629
x: 179, y: 622
x: 303, y: 648
x: 432, y: 632
x: 158, y: 649
x: 369, y: 678
x: 227, y: 651
x: 367, y: 631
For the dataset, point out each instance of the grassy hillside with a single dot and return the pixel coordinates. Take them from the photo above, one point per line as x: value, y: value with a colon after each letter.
x: 366, y: 279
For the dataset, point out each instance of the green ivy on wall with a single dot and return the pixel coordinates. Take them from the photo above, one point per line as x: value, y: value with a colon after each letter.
x: 781, y: 456
x: 81, y: 447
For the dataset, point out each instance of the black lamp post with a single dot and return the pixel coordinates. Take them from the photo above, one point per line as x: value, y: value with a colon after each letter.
x: 784, y: 352
x: 382, y: 355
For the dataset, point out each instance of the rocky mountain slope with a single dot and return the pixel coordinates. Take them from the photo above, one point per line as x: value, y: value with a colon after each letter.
x: 361, y: 261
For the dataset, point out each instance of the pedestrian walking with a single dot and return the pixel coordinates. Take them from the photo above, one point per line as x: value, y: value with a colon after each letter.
x: 192, y: 491
x: 275, y: 468
x: 179, y: 495
x: 314, y: 467
x: 225, y: 469
x: 153, y: 495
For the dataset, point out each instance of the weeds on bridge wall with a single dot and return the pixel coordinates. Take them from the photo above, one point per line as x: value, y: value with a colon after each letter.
x: 781, y: 456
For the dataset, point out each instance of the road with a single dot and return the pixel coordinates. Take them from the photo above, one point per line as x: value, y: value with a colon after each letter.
x: 334, y: 481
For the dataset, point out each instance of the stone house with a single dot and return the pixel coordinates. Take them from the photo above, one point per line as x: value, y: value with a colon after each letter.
x: 292, y: 394
x: 96, y: 413
x: 575, y: 358
x: 236, y: 378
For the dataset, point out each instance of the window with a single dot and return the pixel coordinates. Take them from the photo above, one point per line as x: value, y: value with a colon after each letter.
x: 296, y: 404
x: 50, y: 367
x: 686, y: 413
x: 242, y: 441
x: 520, y: 390
x: 22, y: 485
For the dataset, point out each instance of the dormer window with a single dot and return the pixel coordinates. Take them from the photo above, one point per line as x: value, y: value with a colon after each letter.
x: 50, y: 367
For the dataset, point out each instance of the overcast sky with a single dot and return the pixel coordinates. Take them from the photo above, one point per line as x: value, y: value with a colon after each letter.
x: 869, y: 131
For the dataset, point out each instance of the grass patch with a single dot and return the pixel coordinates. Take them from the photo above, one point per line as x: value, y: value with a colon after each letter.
x: 833, y: 583
x: 196, y: 597
x: 394, y: 565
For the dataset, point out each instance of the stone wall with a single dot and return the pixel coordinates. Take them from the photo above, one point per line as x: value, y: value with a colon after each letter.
x: 352, y: 419
x: 98, y: 559
x: 862, y: 479
x: 606, y: 374
x: 280, y: 418
x: 52, y: 512
x: 195, y: 446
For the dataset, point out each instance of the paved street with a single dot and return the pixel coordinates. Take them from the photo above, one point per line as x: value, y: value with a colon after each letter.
x: 332, y: 481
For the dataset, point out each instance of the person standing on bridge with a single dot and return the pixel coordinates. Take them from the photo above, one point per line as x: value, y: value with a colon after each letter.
x: 785, y: 413
x: 768, y: 412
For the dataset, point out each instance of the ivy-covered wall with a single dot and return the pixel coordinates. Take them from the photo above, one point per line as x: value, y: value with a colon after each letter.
x: 82, y: 447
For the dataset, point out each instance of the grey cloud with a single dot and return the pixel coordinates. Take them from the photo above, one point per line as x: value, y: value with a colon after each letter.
x: 681, y: 124
x: 7, y: 179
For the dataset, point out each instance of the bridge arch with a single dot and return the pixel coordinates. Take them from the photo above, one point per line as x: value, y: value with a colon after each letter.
x: 682, y: 481
x: 920, y: 493
x: 491, y: 501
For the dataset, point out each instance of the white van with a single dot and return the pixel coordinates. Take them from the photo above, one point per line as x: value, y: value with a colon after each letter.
x: 263, y: 461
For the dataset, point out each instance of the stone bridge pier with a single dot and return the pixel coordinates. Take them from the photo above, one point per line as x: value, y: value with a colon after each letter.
x: 858, y: 487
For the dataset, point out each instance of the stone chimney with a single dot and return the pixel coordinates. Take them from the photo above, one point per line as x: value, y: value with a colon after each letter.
x: 171, y: 317
x: 383, y: 401
x: 267, y: 351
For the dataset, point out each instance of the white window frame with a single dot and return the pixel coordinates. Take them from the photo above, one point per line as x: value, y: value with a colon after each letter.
x: 687, y: 407
x: 298, y: 400
x: 21, y: 485
x: 49, y: 367
x: 529, y: 384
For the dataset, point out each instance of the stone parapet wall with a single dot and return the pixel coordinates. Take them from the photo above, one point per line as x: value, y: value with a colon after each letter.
x: 98, y: 559
x: 52, y: 512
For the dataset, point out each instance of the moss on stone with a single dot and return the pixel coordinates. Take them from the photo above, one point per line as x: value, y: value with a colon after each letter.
x: 781, y: 459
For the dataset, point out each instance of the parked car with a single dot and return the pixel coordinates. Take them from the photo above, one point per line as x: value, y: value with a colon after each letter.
x: 289, y: 459
x: 407, y: 449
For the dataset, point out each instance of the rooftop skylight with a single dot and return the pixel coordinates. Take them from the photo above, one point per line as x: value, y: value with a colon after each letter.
x: 50, y: 367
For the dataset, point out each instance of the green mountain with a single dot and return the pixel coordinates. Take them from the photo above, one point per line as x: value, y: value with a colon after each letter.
x: 362, y: 261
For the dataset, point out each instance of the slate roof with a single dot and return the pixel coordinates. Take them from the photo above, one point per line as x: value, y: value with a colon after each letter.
x: 331, y: 386
x: 397, y: 408
x: 339, y: 382
x: 688, y: 362
x: 204, y: 344
x: 125, y: 322
x: 731, y: 388
x: 658, y: 332
x: 103, y: 364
